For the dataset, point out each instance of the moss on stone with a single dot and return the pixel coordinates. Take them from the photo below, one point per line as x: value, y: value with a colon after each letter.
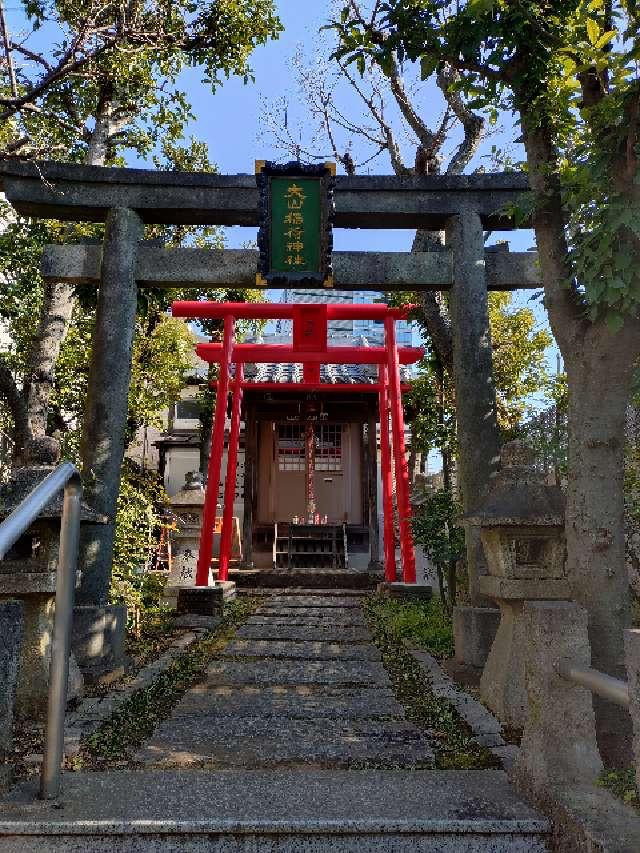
x: 136, y: 719
x: 453, y: 740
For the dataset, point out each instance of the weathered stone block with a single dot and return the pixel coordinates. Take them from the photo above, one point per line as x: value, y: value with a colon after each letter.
x: 35, y: 658
x: 528, y: 553
x: 502, y: 686
x: 406, y: 591
x: 559, y: 744
x: 542, y: 589
x: 474, y: 630
x: 205, y: 600
x: 521, y: 522
x: 97, y: 637
x: 11, y: 632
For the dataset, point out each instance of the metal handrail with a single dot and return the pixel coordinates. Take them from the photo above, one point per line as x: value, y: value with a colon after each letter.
x: 66, y: 476
x: 613, y: 689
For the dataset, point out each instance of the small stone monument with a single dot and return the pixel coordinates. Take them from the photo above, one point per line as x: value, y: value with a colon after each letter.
x: 181, y: 592
x: 521, y: 523
x: 28, y: 573
x: 188, y: 506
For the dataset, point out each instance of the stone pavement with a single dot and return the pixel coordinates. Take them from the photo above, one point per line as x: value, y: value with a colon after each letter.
x: 300, y: 660
x: 293, y: 741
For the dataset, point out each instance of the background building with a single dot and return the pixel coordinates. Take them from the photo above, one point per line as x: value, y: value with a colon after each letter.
x: 365, y: 332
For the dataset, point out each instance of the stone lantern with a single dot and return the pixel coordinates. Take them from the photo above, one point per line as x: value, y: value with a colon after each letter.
x: 521, y: 521
x: 188, y: 506
x: 28, y: 573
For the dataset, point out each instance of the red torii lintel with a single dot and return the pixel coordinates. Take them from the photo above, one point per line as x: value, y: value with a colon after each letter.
x: 283, y: 354
x: 310, y: 347
x: 285, y: 311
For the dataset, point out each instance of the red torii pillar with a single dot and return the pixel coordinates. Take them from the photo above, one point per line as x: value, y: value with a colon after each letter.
x: 387, y: 480
x: 205, y: 553
x: 399, y: 454
x: 230, y: 482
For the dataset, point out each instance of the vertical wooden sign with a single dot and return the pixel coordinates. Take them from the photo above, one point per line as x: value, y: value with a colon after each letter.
x: 295, y: 239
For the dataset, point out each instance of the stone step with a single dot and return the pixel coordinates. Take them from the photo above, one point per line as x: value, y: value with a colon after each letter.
x: 449, y: 811
x: 300, y: 650
x: 325, y: 593
x: 313, y: 633
x: 257, y: 742
x: 365, y: 673
x: 279, y: 610
x: 299, y: 702
x: 356, y: 619
x: 328, y: 601
x: 324, y: 579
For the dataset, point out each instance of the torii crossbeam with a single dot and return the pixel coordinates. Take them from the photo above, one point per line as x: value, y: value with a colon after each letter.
x: 310, y: 348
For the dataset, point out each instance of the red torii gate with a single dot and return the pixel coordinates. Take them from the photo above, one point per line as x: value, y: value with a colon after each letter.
x: 310, y: 347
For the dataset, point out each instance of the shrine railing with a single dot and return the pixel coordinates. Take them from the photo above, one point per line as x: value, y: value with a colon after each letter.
x: 66, y: 476
x: 614, y: 689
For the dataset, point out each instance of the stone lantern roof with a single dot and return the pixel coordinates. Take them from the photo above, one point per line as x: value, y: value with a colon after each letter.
x: 518, y: 495
x: 192, y: 493
x: 41, y: 457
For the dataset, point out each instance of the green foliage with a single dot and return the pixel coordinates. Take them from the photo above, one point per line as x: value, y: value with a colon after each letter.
x: 124, y: 65
x: 140, y: 502
x: 569, y: 67
x: 436, y: 527
x: 424, y: 624
x: 162, y: 359
x: 430, y: 408
x: 546, y: 432
x: 622, y: 784
x: 455, y: 747
x: 519, y: 366
x: 155, y: 630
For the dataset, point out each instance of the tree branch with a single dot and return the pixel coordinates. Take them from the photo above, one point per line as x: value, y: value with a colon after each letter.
x: 473, y: 125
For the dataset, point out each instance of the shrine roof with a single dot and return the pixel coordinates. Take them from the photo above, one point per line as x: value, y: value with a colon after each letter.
x: 331, y: 374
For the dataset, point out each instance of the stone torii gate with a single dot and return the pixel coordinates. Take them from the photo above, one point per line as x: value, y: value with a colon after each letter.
x: 127, y: 199
x: 310, y: 347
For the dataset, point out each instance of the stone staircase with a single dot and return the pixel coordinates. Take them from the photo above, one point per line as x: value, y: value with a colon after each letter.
x: 294, y: 741
x: 311, y: 580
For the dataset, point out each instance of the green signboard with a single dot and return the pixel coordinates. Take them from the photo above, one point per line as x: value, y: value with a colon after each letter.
x: 295, y: 212
x: 296, y: 223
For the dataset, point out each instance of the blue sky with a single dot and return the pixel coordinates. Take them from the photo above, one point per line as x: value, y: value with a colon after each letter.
x: 234, y: 122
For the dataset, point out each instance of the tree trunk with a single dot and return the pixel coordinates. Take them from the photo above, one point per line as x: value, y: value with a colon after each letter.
x: 55, y: 317
x: 599, y: 375
x: 599, y: 364
x: 55, y: 314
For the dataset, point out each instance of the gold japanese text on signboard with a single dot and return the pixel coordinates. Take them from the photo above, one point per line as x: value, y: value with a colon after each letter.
x: 295, y: 234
